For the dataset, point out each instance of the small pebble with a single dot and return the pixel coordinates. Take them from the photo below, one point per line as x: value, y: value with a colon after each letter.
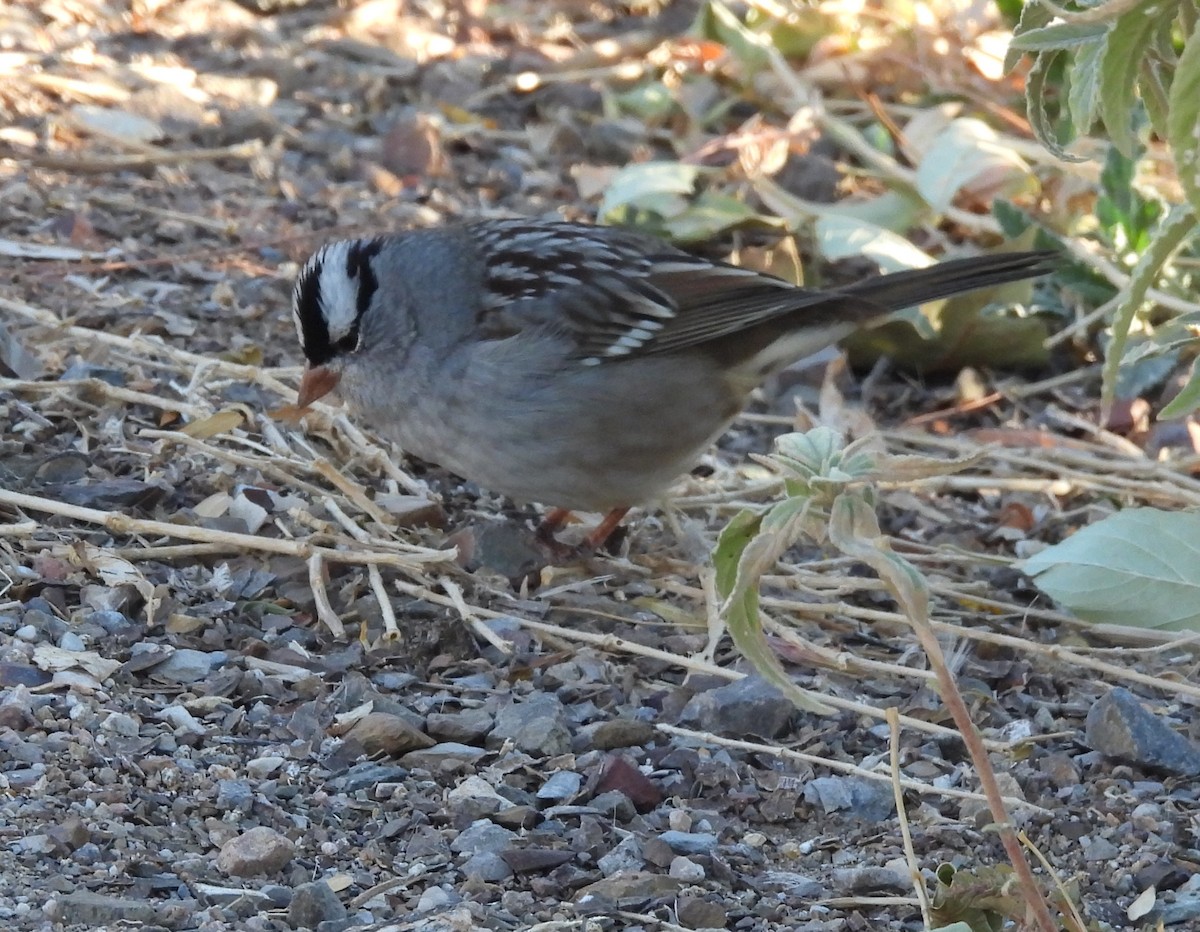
x: 71, y: 641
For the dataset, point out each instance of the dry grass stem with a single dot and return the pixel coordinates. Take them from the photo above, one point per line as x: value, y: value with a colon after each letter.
x: 103, y: 163
x: 325, y: 612
x: 910, y: 854
x: 123, y: 524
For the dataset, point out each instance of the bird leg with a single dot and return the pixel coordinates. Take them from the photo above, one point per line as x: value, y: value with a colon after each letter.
x: 552, y: 524
x: 557, y: 517
x: 604, y: 530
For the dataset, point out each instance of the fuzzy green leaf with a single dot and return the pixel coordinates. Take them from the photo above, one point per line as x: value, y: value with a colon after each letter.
x: 1058, y: 37
x: 1138, y: 567
x: 1179, y: 224
x: 1037, y: 86
x: 747, y: 548
x: 1123, y: 54
x: 1188, y: 399
x: 1083, y: 99
x: 1033, y: 17
x: 1183, y: 119
x: 854, y: 530
x: 716, y: 21
x: 658, y: 186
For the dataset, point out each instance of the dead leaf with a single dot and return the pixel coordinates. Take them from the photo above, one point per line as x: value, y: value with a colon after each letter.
x: 220, y: 423
x: 56, y: 660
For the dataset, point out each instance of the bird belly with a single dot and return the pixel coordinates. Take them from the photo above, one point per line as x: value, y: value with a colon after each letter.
x: 582, y: 438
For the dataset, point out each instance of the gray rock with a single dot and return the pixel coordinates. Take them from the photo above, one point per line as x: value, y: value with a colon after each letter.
x: 235, y: 795
x: 614, y: 805
x: 466, y: 726
x: 1119, y: 726
x: 1185, y: 911
x: 227, y: 896
x: 96, y: 911
x: 693, y: 912
x: 626, y: 856
x: 868, y: 800
x: 690, y: 842
x: 1098, y: 849
x: 110, y: 621
x: 537, y: 726
x: 685, y: 870
x: 110, y: 495
x: 613, y: 734
x: 314, y: 903
x: 435, y: 898
x: 481, y: 836
x: 40, y: 844
x: 563, y: 785
x: 261, y: 850
x: 436, y: 757
x: 367, y: 774
x: 487, y: 866
x: 71, y: 641
x: 121, y: 724
x: 48, y: 625
x: 749, y: 706
x: 277, y: 893
x: 189, y: 666
x: 793, y: 884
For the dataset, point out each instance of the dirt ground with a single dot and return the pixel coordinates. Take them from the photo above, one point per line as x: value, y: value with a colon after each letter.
x: 246, y: 684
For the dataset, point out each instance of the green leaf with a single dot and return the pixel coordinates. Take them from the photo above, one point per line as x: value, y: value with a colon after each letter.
x: 1179, y: 224
x: 658, y: 186
x: 1153, y: 85
x: 981, y: 898
x: 731, y: 543
x: 747, y: 547
x: 896, y: 210
x: 1012, y: 219
x: 716, y: 21
x: 1119, y: 64
x: 1083, y: 98
x: 651, y: 102
x: 1139, y: 567
x: 1184, y: 117
x: 1033, y: 16
x: 1058, y: 37
x: 1188, y: 399
x: 709, y: 214
x: 1037, y: 88
x: 841, y: 237
x: 854, y: 530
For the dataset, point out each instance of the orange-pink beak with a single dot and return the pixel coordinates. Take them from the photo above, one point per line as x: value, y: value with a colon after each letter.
x: 317, y: 382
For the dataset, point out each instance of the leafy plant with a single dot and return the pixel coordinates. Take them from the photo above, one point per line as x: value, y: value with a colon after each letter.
x: 1131, y: 69
x: 830, y: 499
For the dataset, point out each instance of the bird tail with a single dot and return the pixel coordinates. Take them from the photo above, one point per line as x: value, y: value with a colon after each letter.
x: 916, y: 286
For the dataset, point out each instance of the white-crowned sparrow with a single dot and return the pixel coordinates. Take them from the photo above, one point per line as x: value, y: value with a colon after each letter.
x: 579, y: 366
